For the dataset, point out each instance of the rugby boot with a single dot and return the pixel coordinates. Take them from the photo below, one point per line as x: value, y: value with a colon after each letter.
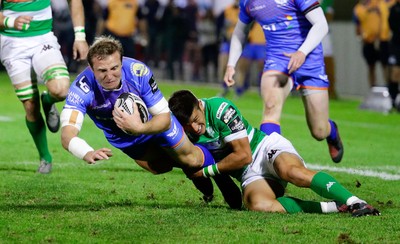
x: 44, y: 167
x: 335, y: 147
x: 362, y: 209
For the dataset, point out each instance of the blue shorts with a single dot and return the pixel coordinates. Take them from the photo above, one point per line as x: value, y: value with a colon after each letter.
x: 171, y: 138
x: 224, y: 48
x: 309, y: 76
x: 254, y: 51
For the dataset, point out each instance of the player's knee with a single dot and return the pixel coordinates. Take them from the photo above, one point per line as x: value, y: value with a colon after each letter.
x: 319, y: 133
x: 58, y: 88
x: 262, y: 206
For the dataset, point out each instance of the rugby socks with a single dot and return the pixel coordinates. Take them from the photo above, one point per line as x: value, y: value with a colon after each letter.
x: 328, y: 187
x: 333, y: 133
x: 268, y: 127
x: 48, y: 100
x: 38, y: 132
x: 208, y: 158
x: 295, y: 205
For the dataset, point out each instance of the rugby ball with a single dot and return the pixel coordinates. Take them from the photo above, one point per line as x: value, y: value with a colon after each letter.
x: 125, y: 102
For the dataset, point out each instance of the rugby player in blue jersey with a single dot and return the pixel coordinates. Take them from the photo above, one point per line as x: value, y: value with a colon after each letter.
x: 157, y: 145
x: 293, y: 31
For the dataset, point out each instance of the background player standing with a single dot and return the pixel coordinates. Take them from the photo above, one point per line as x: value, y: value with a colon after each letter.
x: 35, y: 47
x: 294, y: 59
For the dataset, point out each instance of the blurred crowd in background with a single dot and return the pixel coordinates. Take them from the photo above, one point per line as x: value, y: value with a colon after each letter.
x: 180, y: 38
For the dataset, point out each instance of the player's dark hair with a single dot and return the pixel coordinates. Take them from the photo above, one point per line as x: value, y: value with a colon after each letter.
x: 182, y: 103
x: 102, y: 47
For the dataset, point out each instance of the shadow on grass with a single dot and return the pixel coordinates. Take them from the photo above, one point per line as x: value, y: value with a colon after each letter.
x: 93, y: 207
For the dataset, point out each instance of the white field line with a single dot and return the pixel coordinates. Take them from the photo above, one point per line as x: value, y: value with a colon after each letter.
x: 6, y: 119
x: 361, y: 172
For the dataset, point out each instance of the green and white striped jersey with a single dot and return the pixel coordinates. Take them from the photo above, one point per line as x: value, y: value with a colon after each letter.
x: 40, y: 10
x: 225, y: 123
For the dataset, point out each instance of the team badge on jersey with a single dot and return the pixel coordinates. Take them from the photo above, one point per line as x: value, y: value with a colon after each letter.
x: 236, y: 125
x: 139, y: 69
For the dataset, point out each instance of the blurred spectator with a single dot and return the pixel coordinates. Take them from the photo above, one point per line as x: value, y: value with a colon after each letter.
x: 64, y: 31
x: 152, y: 12
x: 394, y: 58
x: 208, y: 43
x: 122, y: 22
x: 327, y: 7
x: 253, y: 54
x: 372, y: 26
x: 93, y: 18
x: 192, y: 53
x: 231, y: 15
x: 174, y: 36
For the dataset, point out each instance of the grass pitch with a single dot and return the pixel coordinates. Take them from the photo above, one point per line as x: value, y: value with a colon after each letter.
x: 118, y: 202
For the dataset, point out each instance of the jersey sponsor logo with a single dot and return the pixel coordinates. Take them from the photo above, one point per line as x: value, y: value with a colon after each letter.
x: 153, y: 85
x: 102, y: 106
x: 139, y: 69
x: 228, y: 115
x: 236, y: 125
x: 74, y: 98
x: 255, y: 8
x: 220, y: 109
x: 83, y: 85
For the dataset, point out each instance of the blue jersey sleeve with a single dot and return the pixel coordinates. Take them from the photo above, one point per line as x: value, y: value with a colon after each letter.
x: 80, y: 93
x: 243, y: 15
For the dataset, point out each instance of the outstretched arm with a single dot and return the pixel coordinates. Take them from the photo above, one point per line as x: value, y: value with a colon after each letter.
x: 71, y: 121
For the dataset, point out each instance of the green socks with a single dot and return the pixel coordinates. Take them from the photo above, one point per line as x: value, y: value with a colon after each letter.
x: 295, y: 205
x: 38, y: 132
x: 326, y: 186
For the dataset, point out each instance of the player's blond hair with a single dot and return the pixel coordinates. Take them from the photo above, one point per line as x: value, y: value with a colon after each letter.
x: 104, y: 46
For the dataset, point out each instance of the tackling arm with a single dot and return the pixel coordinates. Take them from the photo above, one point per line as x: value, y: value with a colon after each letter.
x: 238, y: 158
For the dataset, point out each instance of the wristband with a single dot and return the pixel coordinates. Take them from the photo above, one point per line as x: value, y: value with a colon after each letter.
x: 79, y: 147
x: 80, y: 33
x: 9, y: 22
x: 210, y: 171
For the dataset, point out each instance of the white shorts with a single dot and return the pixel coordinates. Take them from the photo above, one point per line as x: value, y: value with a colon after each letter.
x: 20, y: 54
x: 264, y: 157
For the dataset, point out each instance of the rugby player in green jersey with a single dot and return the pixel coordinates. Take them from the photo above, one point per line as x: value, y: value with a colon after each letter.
x: 263, y: 164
